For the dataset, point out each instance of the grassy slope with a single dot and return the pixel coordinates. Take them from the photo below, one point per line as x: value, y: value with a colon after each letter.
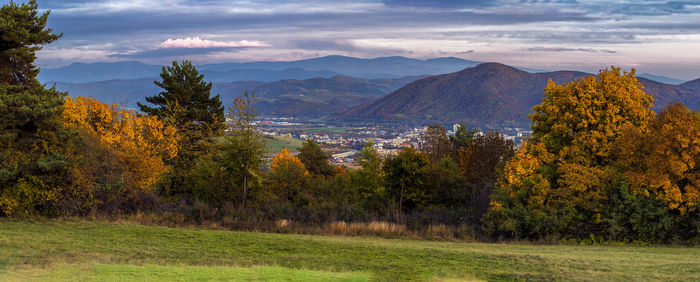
x: 108, y: 251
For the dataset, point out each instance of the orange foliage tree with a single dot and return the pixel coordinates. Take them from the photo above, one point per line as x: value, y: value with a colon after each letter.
x: 139, y: 143
x: 568, y: 165
x: 287, y: 176
x: 663, y: 161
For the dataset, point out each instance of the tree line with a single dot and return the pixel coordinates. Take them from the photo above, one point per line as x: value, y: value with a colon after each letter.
x: 600, y: 164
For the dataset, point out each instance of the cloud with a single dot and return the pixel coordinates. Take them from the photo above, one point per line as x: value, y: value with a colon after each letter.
x: 196, y: 42
x: 566, y: 49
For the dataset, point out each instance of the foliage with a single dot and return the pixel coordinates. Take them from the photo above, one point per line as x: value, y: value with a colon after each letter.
x: 186, y: 104
x: 315, y: 160
x: 183, y: 84
x: 480, y: 162
x: 140, y: 143
x: 244, y: 146
x: 287, y: 178
x: 405, y: 178
x: 462, y: 136
x: 34, y: 161
x: 567, y: 168
x: 663, y: 160
x: 436, y: 144
x: 22, y: 34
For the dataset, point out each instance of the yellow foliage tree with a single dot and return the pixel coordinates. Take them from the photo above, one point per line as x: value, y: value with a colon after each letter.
x: 287, y: 175
x: 664, y: 160
x: 139, y: 143
x: 568, y: 161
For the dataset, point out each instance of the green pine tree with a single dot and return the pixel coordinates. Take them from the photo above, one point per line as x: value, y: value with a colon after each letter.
x: 33, y: 165
x: 183, y: 85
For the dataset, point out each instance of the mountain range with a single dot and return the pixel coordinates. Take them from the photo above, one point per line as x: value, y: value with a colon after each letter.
x: 324, y: 67
x: 489, y: 93
x: 304, y: 98
x: 469, y: 91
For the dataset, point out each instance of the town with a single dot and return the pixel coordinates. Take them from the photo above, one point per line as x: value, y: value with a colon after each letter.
x: 343, y: 144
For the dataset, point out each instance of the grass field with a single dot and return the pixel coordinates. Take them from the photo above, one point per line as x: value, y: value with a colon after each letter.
x: 275, y: 144
x: 78, y: 250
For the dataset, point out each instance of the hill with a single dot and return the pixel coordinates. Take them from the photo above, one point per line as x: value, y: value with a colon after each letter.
x: 693, y: 84
x: 305, y: 98
x: 485, y: 94
x: 661, y: 78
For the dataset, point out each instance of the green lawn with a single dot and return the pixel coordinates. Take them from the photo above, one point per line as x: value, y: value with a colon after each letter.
x: 78, y: 250
x: 276, y: 143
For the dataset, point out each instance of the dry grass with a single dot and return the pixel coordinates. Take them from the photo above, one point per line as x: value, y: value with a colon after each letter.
x: 286, y: 226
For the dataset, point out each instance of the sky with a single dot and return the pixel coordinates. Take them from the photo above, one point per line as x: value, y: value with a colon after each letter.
x: 658, y: 37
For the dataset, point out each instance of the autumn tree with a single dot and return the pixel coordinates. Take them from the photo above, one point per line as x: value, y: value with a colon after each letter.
x: 663, y: 160
x: 315, y: 160
x: 244, y: 145
x: 566, y: 167
x: 436, y: 144
x: 34, y: 165
x: 287, y: 177
x: 141, y: 144
x: 405, y: 178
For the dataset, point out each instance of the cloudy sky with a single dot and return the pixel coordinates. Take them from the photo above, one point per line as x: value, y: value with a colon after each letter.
x: 659, y: 37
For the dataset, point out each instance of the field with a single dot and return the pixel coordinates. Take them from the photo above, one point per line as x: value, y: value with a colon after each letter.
x: 78, y: 249
x: 275, y: 144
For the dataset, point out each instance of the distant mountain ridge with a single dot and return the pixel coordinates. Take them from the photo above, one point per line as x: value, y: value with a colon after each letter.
x: 305, y: 98
x: 324, y: 67
x: 661, y: 78
x: 485, y: 94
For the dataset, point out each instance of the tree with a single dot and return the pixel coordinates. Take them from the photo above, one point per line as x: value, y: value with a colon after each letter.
x: 462, y: 136
x: 140, y: 143
x: 186, y: 104
x: 436, y: 144
x: 22, y: 33
x: 34, y: 163
x: 480, y: 162
x: 405, y: 175
x: 287, y: 176
x: 244, y: 146
x: 185, y: 101
x: 183, y: 84
x: 369, y: 159
x: 566, y: 168
x: 664, y: 160
x: 315, y: 160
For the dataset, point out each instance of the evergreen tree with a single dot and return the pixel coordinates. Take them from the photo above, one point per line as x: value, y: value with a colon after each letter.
x: 183, y: 85
x: 33, y: 165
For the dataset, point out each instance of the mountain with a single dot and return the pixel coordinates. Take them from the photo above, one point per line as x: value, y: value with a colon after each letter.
x: 79, y: 72
x: 265, y: 75
x: 660, y: 78
x: 693, y: 84
x: 325, y: 67
x: 486, y: 94
x: 309, y: 98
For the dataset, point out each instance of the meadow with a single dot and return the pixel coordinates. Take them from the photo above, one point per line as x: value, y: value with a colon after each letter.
x: 77, y: 249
